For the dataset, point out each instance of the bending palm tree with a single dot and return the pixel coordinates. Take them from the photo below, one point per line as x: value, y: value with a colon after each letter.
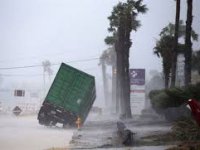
x: 164, y: 47
x: 122, y: 22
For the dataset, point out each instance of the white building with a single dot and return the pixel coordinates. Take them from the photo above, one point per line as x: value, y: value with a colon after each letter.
x: 28, y: 101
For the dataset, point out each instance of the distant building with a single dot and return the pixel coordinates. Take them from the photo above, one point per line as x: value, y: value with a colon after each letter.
x: 28, y: 101
x: 180, y: 70
x: 180, y: 75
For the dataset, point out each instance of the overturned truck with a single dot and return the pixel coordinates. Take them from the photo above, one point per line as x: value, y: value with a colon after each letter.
x: 70, y: 97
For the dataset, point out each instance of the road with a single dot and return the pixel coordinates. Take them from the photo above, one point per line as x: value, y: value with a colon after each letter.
x: 24, y: 133
x: 100, y: 133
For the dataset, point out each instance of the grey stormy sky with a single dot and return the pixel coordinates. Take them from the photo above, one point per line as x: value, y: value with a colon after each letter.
x: 32, y: 31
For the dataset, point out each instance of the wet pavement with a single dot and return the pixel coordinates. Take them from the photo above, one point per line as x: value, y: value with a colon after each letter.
x: 25, y: 133
x: 101, y: 133
x: 98, y: 132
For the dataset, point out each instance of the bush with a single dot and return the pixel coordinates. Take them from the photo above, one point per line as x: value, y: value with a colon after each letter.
x: 173, y: 97
x: 172, y: 102
x: 186, y: 129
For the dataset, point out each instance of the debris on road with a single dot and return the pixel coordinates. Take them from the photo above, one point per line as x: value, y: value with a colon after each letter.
x: 114, y: 134
x: 125, y: 135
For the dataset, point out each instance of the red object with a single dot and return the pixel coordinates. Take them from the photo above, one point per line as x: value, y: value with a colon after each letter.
x: 195, y: 108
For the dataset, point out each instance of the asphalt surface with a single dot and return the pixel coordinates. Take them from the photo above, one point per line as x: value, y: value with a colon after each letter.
x: 25, y: 133
x: 100, y: 132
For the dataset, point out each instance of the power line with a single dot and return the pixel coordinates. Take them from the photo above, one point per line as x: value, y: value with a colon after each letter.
x: 32, y: 66
x: 37, y: 75
x: 36, y: 57
x: 20, y: 75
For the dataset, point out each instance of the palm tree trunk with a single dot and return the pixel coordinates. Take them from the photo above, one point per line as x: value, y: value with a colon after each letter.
x: 174, y: 59
x: 127, y: 45
x: 114, y: 81
x: 188, y: 43
x: 123, y: 45
x: 166, y: 82
x: 120, y: 67
x: 105, y: 84
x: 127, y: 84
x: 120, y: 83
x: 123, y: 84
x: 122, y: 50
x: 114, y: 89
x: 118, y: 77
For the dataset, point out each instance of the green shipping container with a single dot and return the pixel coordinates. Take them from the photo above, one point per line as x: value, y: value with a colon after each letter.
x: 71, y: 95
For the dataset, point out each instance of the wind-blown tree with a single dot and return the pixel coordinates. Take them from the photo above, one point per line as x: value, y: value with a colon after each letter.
x: 188, y: 43
x: 105, y: 83
x: 111, y: 61
x: 164, y: 49
x: 170, y: 30
x: 110, y: 40
x: 122, y: 22
x: 107, y: 58
x: 162, y: 46
x: 46, y: 69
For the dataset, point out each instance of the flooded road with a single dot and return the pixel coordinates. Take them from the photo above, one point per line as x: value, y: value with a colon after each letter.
x: 24, y: 133
x: 100, y: 133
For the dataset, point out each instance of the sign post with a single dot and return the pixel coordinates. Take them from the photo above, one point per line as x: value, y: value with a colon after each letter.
x: 137, y: 90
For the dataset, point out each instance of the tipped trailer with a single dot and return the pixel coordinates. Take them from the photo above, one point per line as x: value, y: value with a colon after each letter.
x: 70, y: 97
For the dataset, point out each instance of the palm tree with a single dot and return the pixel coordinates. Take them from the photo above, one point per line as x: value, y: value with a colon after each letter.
x: 170, y: 30
x: 163, y: 49
x: 188, y: 43
x: 103, y: 61
x: 174, y: 56
x: 122, y: 22
x: 108, y: 57
x: 105, y: 83
x: 168, y: 34
x: 46, y: 69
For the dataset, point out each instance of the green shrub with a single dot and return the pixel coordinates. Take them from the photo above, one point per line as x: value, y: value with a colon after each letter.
x: 193, y: 91
x: 171, y: 103
x: 186, y: 129
x: 173, y: 97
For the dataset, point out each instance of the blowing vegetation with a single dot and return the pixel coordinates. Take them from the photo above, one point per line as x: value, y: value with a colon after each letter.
x: 123, y: 20
x: 171, y: 103
x: 168, y: 46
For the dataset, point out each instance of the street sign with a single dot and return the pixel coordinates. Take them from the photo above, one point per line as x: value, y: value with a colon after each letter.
x: 137, y: 76
x: 137, y: 90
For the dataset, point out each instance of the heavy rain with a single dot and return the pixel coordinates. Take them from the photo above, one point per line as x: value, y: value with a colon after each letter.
x: 104, y: 74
